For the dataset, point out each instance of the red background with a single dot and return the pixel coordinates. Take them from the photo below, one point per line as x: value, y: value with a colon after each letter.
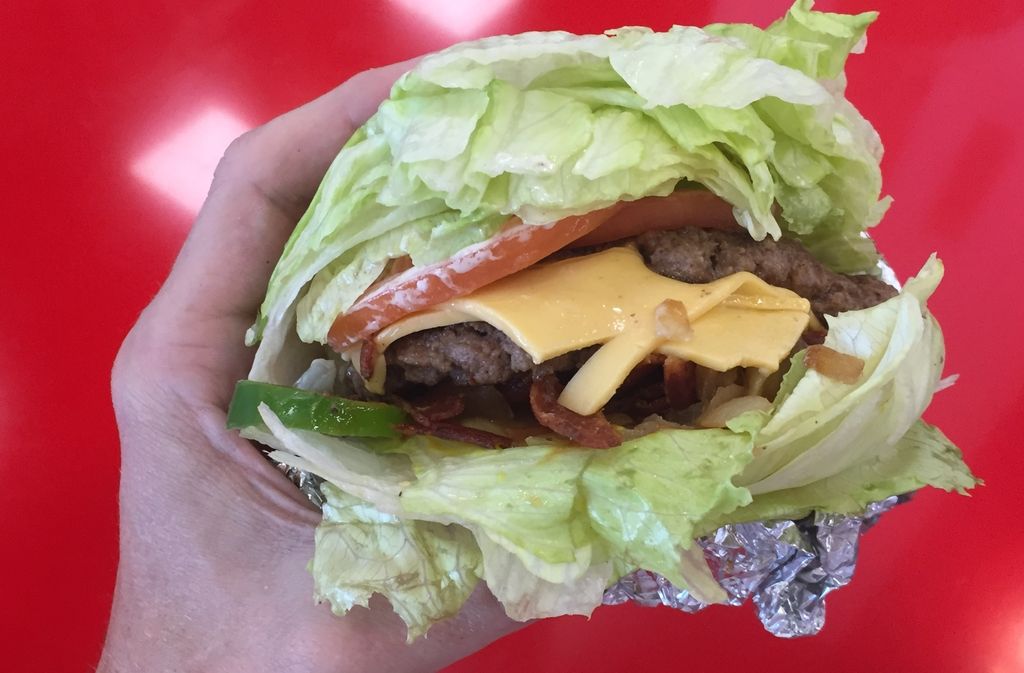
x: 90, y: 89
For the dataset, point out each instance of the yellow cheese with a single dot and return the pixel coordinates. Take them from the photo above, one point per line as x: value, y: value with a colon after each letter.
x: 610, y: 298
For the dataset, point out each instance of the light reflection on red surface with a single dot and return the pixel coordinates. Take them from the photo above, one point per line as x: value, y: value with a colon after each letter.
x: 1007, y: 649
x: 181, y: 166
x: 458, y: 18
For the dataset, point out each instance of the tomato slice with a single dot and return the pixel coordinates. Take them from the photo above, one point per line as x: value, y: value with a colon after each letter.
x: 683, y: 208
x: 516, y: 248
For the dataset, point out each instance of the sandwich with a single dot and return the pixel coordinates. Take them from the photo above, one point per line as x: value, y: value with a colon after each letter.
x: 566, y: 304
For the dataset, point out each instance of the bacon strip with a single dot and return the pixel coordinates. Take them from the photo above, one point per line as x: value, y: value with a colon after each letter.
x: 367, y: 358
x: 440, y: 406
x: 814, y: 338
x: 645, y: 371
x: 430, y: 416
x: 593, y: 431
x: 680, y: 378
x: 458, y: 433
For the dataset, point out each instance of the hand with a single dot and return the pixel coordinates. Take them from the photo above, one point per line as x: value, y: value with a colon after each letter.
x: 214, y: 540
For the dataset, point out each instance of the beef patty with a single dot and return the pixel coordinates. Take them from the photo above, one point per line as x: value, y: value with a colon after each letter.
x: 695, y: 255
x: 469, y: 354
x: 477, y: 354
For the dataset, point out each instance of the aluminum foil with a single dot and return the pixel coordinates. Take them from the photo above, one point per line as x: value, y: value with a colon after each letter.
x: 307, y: 482
x: 786, y: 568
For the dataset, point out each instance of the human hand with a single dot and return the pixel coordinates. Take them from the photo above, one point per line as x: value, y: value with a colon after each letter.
x: 214, y: 540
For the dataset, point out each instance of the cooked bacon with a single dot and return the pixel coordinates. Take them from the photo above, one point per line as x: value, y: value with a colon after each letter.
x: 814, y: 337
x: 680, y: 380
x: 593, y: 431
x: 638, y: 402
x: 367, y: 358
x: 458, y: 433
x: 642, y: 393
x: 431, y: 415
x: 645, y: 371
x: 440, y: 405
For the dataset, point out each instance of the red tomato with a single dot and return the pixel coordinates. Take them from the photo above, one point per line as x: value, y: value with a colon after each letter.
x: 683, y: 208
x: 516, y: 248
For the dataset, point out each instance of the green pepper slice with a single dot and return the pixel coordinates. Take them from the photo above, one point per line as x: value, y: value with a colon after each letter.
x: 304, y: 410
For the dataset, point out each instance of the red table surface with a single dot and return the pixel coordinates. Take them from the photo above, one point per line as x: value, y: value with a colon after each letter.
x: 113, y: 114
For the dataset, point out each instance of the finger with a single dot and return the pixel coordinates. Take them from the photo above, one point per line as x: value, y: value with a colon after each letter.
x: 262, y: 185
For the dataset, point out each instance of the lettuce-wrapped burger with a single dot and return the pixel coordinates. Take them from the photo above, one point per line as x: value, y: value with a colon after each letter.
x: 567, y: 303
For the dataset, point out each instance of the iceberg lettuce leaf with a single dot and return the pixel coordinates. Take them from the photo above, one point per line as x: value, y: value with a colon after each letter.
x: 425, y: 570
x: 647, y: 497
x: 547, y: 125
x: 822, y: 426
x: 922, y: 457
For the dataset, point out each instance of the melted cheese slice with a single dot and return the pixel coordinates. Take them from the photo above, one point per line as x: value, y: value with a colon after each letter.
x: 610, y: 298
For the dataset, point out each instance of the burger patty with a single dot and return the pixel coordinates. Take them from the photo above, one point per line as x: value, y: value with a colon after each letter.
x: 695, y: 255
x: 477, y: 354
x: 468, y: 354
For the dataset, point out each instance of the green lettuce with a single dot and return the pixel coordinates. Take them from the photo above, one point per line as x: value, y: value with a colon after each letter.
x: 552, y: 526
x: 425, y: 570
x: 636, y: 504
x: 526, y: 595
x: 546, y: 125
x: 524, y: 501
x: 922, y: 457
x: 821, y: 426
x: 815, y: 43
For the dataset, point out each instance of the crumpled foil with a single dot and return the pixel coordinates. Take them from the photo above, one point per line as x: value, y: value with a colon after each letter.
x: 785, y: 567
x: 307, y: 482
